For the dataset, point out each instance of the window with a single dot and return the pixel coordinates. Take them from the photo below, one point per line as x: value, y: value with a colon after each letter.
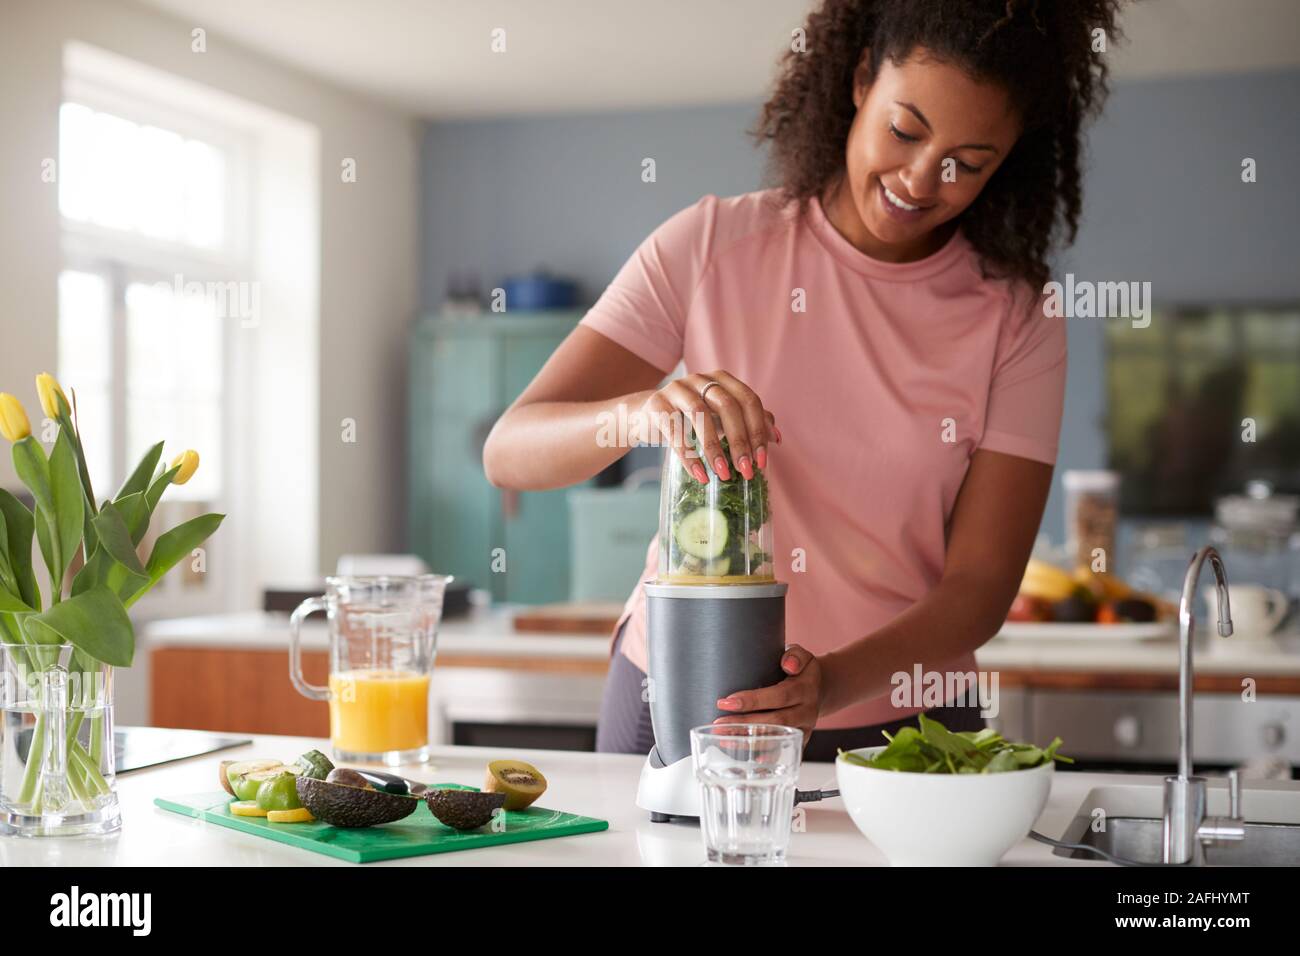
x: 140, y: 178
x: 151, y: 228
x: 1201, y: 402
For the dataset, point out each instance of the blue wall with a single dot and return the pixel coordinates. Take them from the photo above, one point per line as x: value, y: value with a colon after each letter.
x: 1164, y: 203
x: 503, y: 196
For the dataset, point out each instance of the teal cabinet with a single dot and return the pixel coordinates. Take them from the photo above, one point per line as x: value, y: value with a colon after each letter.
x: 463, y: 374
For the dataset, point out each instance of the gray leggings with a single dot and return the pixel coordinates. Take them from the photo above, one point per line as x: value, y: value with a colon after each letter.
x: 624, y: 725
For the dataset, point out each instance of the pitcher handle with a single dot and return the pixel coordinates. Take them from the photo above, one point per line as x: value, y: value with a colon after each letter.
x: 54, y: 762
x: 300, y: 614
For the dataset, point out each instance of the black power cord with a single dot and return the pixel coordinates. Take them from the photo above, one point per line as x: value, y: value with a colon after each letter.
x: 813, y: 796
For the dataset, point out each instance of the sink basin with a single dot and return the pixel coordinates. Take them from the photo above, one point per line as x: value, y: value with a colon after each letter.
x: 1132, y: 831
x: 1138, y: 839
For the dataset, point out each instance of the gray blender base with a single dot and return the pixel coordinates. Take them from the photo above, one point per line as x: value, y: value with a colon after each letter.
x: 704, y: 642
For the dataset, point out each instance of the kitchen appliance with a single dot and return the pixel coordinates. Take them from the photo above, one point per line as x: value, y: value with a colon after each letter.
x: 715, y: 620
x: 608, y: 531
x: 1258, y: 533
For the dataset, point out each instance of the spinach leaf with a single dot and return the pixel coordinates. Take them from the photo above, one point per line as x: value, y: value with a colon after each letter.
x: 933, y: 748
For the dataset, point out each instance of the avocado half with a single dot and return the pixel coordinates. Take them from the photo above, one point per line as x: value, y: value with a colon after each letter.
x: 343, y: 806
x: 464, y: 809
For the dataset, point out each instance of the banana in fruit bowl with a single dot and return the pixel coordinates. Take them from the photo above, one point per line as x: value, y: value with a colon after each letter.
x: 1051, y: 594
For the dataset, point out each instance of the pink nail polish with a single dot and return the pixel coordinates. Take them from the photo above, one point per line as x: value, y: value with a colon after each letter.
x: 746, y: 467
x: 728, y: 703
x: 789, y: 663
x: 698, y: 471
x: 720, y: 466
x: 761, y: 455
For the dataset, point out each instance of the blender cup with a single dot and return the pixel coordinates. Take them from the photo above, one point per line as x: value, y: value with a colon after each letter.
x: 715, y: 533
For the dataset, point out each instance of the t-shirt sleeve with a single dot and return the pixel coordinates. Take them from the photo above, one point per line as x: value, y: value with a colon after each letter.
x: 1027, y: 394
x: 644, y: 309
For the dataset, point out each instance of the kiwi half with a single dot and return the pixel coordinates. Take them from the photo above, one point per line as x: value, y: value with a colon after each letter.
x: 522, y: 783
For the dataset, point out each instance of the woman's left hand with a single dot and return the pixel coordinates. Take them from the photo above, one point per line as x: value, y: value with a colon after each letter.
x: 795, y: 702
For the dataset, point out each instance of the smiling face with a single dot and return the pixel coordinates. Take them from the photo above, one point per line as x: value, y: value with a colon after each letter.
x: 925, y: 140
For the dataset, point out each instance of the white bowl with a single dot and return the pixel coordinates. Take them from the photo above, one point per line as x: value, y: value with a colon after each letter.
x: 942, y: 819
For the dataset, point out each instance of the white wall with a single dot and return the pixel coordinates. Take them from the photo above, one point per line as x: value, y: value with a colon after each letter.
x: 368, y: 238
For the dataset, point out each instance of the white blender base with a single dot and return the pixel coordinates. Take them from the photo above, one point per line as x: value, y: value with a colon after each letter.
x: 670, y: 790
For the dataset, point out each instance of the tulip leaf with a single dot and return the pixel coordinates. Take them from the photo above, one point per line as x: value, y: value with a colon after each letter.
x: 10, y: 603
x: 175, y: 545
x: 115, y: 538
x: 34, y: 471
x: 69, y: 500
x: 102, y: 569
x: 124, y: 576
x: 8, y: 580
x: 10, y: 631
x: 6, y: 572
x: 143, y: 474
x: 137, y: 509
x: 42, y: 522
x: 95, y: 622
x: 89, y: 538
x: 19, y: 527
x: 155, y: 492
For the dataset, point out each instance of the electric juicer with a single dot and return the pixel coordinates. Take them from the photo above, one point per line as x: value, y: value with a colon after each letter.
x: 715, y: 620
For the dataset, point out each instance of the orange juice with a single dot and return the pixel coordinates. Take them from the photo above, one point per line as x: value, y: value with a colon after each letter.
x: 373, y: 711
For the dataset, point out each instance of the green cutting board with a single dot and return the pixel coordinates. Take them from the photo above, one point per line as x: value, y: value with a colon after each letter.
x: 417, y: 835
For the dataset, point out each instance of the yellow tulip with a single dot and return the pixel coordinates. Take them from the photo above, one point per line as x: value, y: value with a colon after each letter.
x: 188, y: 462
x: 47, y: 386
x: 13, y: 418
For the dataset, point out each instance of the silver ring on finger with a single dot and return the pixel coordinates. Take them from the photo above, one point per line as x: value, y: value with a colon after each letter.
x: 704, y: 392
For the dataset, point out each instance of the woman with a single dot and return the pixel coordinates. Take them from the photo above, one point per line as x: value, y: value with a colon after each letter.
x: 876, y: 317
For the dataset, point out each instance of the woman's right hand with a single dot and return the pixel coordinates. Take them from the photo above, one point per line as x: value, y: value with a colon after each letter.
x: 739, y: 415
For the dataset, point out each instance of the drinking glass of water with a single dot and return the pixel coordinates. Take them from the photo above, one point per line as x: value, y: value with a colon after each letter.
x: 747, y: 775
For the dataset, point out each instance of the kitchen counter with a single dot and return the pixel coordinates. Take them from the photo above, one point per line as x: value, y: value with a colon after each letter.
x: 598, y: 785
x: 482, y: 635
x: 486, y: 636
x: 1121, y: 692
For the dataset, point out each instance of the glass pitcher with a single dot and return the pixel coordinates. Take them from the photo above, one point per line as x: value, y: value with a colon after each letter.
x: 383, y: 635
x: 57, y: 765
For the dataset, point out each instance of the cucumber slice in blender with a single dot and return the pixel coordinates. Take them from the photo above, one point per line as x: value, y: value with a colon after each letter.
x: 702, y: 533
x: 718, y: 566
x: 691, y: 565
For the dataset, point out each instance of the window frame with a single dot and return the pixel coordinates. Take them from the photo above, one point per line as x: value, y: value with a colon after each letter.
x: 123, y: 257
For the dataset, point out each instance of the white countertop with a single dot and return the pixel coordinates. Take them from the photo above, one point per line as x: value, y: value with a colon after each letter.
x: 598, y: 785
x: 485, y: 632
x: 489, y: 633
x: 1276, y: 657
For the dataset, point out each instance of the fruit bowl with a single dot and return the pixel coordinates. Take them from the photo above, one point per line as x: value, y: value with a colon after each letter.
x: 942, y: 819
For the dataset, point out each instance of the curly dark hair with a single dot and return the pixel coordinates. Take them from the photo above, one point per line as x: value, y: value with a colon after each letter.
x: 1040, y: 51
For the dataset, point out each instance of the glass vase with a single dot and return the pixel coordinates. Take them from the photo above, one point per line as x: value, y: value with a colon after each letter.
x: 57, y: 761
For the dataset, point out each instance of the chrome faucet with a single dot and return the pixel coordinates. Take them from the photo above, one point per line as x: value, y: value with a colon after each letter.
x: 1187, y: 829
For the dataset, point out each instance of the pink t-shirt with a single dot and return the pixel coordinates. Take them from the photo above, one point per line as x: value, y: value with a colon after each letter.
x: 883, y: 384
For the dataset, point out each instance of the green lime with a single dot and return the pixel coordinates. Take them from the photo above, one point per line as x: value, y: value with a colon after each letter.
x: 279, y: 793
